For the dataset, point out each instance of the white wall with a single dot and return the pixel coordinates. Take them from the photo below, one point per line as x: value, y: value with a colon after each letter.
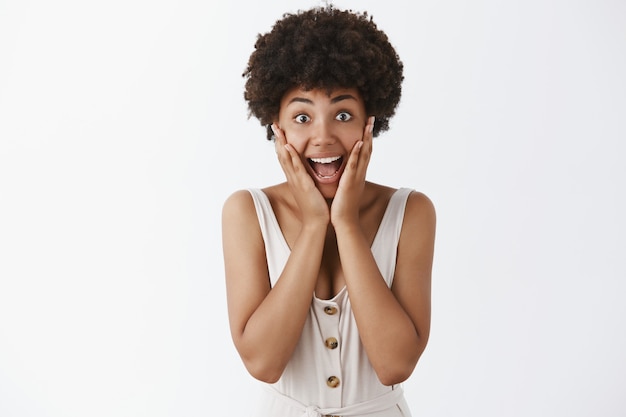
x: 123, y: 129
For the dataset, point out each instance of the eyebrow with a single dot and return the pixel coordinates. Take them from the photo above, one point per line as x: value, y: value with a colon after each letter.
x: 333, y: 100
x: 342, y: 97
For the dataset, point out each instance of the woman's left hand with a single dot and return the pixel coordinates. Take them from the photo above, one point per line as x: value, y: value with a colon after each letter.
x: 346, y: 204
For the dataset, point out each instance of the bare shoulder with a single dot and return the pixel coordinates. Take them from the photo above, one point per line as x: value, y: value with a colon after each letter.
x: 419, y: 204
x: 416, y: 249
x: 241, y: 233
x: 238, y: 200
x: 420, y: 217
x: 238, y: 208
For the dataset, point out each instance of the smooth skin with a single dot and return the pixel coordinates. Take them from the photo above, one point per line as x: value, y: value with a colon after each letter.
x: 329, y: 225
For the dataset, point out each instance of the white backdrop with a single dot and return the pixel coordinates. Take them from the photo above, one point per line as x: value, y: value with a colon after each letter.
x: 123, y: 129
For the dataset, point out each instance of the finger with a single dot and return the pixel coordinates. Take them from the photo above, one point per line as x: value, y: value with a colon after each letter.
x: 284, y: 157
x: 368, y: 139
x: 369, y: 126
x: 280, y: 142
x: 289, y: 157
x: 279, y: 137
x: 360, y: 153
x: 293, y: 154
x: 353, y: 159
x: 368, y: 134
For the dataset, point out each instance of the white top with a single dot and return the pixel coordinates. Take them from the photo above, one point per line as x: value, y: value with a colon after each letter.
x: 329, y: 372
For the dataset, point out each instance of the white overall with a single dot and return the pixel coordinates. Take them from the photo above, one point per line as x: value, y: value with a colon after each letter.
x: 329, y: 372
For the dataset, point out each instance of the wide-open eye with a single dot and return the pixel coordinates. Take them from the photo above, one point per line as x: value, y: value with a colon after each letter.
x: 302, y: 118
x: 343, y: 116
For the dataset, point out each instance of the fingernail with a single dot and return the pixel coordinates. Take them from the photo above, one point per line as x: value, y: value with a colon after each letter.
x: 372, y: 120
x: 273, y: 128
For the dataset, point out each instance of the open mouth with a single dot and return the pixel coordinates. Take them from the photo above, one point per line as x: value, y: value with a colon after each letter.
x: 326, y: 168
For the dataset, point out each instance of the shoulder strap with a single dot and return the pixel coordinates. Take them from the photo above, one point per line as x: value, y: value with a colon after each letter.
x: 276, y: 248
x: 385, y: 246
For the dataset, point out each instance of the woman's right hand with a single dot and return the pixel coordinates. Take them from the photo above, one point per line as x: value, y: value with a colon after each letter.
x: 312, y: 204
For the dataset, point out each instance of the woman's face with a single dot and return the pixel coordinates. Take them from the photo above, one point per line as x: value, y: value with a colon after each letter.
x: 323, y: 128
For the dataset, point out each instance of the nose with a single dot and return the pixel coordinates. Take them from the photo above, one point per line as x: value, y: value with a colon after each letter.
x: 323, y: 134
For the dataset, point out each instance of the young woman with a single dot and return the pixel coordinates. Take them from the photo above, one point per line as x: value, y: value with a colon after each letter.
x: 328, y: 275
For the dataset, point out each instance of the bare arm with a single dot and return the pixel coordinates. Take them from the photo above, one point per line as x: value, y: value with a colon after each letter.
x: 394, y: 324
x: 265, y: 322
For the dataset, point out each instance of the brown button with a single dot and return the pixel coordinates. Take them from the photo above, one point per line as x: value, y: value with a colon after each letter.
x: 332, y: 382
x: 332, y: 343
x: 330, y: 310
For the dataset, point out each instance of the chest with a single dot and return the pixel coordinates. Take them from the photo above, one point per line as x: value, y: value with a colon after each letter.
x: 330, y: 276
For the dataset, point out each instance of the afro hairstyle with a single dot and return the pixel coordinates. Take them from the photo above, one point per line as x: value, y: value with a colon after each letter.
x: 324, y: 48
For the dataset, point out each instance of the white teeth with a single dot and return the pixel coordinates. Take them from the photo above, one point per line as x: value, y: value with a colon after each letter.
x: 325, y: 160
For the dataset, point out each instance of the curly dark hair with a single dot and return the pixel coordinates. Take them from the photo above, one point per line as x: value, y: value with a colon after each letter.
x: 324, y: 48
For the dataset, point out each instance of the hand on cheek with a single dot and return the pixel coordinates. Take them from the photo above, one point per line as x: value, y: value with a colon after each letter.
x: 309, y: 199
x: 346, y: 204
